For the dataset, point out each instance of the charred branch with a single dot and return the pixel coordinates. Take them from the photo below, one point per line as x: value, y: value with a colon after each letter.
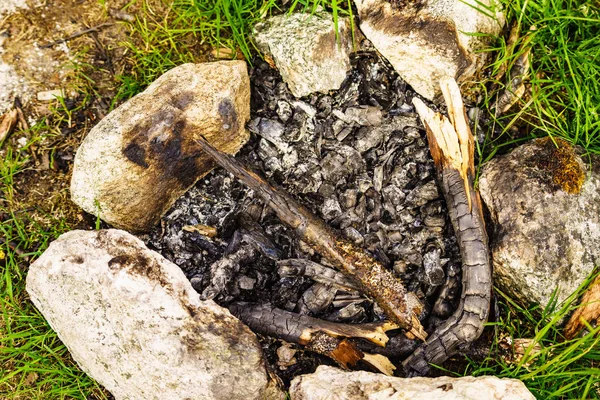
x: 327, y: 338
x: 373, y: 278
x: 452, y: 148
x: 292, y: 327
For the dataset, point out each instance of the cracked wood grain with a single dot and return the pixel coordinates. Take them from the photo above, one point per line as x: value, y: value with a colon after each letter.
x: 323, y: 337
x: 372, y: 277
x: 451, y: 145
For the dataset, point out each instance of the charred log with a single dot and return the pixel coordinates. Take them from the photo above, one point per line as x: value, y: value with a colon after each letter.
x: 452, y: 148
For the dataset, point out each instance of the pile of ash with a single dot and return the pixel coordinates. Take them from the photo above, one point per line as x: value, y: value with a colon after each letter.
x: 358, y: 159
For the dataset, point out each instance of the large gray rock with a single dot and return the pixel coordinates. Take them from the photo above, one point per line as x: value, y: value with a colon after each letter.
x: 544, y: 237
x: 426, y: 41
x: 305, y: 50
x: 329, y: 383
x: 132, y: 321
x: 141, y: 157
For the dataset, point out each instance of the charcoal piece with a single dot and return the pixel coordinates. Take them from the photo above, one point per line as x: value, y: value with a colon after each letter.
x: 246, y: 283
x: 363, y: 116
x: 316, y: 299
x: 354, y: 235
x: 435, y: 221
x: 423, y: 194
x: 393, y: 195
x: 284, y: 110
x: 341, y: 162
x: 317, y: 272
x: 324, y: 106
x: 398, y: 346
x: 400, y: 177
x: 368, y: 138
x: 353, y: 312
x: 225, y: 269
x: 330, y: 209
x: 445, y: 303
x: 270, y: 130
x: 348, y: 198
x: 433, y: 268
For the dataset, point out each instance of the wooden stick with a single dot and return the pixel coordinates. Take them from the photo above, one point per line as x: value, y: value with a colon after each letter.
x: 452, y: 148
x: 323, y: 337
x: 373, y: 278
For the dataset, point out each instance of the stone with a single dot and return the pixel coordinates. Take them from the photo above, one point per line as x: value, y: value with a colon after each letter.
x: 132, y: 321
x: 545, y: 220
x: 306, y: 51
x: 141, y: 157
x: 426, y: 41
x: 334, y: 384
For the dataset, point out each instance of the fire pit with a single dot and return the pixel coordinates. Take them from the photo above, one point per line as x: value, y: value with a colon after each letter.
x: 358, y: 159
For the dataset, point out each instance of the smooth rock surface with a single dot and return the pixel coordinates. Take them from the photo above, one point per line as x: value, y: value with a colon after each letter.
x: 425, y: 41
x: 543, y: 237
x: 132, y: 321
x: 305, y: 50
x: 329, y: 383
x: 141, y: 157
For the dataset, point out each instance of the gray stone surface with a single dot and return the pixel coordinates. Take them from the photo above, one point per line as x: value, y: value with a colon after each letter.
x: 543, y: 237
x: 305, y: 50
x: 431, y: 41
x: 132, y: 321
x: 329, y: 383
x: 141, y: 157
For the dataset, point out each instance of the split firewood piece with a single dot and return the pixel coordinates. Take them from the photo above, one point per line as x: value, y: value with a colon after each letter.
x: 587, y: 312
x: 8, y: 123
x: 452, y: 148
x: 316, y: 272
x: 323, y: 337
x: 373, y: 278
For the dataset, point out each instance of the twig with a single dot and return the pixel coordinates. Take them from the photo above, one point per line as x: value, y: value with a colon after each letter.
x: 76, y: 35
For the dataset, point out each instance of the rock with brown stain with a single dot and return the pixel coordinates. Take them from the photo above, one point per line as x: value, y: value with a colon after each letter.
x: 334, y: 384
x: 544, y: 203
x: 428, y: 40
x: 141, y: 157
x: 132, y: 321
x: 306, y: 51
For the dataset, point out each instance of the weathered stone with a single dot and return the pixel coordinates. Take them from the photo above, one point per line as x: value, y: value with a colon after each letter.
x: 544, y: 238
x: 334, y: 384
x: 140, y: 158
x: 132, y: 321
x: 306, y: 51
x: 426, y: 41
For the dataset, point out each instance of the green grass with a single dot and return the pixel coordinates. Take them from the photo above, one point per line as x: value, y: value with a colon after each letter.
x: 564, y: 74
x: 34, y: 364
x: 167, y: 34
x: 561, y: 369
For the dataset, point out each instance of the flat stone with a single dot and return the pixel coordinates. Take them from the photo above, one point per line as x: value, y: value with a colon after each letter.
x: 132, y: 321
x: 546, y: 236
x: 334, y: 384
x: 141, y: 157
x: 306, y: 51
x: 426, y: 41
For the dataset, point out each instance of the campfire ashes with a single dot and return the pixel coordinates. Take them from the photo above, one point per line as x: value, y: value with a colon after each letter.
x: 358, y: 159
